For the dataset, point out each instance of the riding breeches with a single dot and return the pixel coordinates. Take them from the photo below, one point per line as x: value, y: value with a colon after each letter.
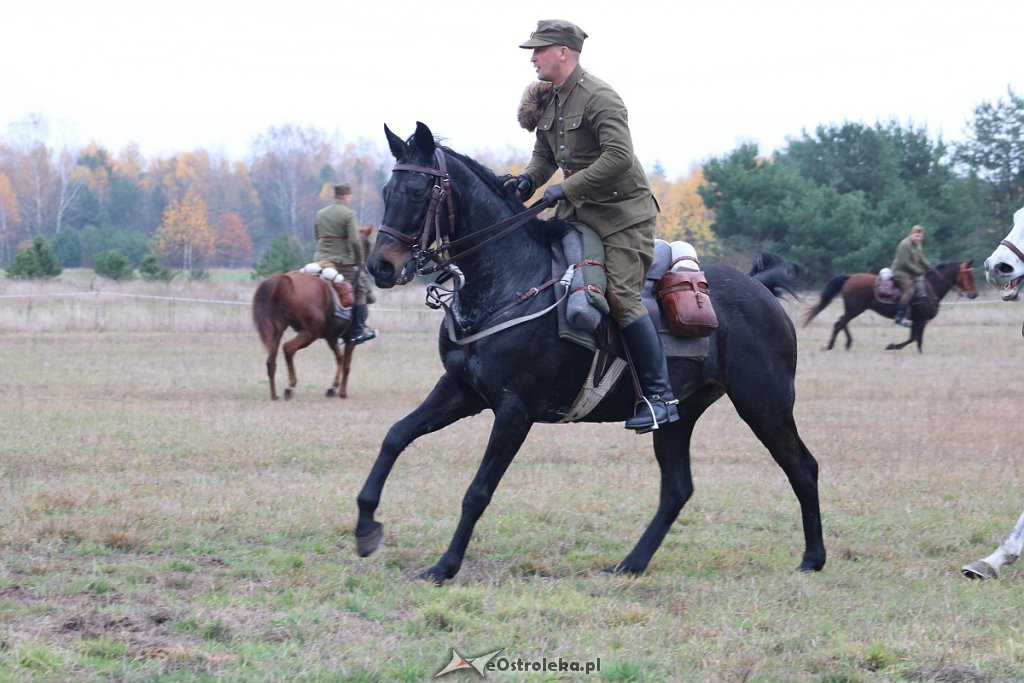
x: 627, y: 255
x: 907, y: 284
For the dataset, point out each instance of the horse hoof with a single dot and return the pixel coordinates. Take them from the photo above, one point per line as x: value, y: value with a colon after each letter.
x: 331, y: 393
x: 342, y: 394
x: 810, y: 567
x: 433, y: 576
x: 368, y: 544
x: 979, y: 569
x: 287, y: 394
x: 621, y: 570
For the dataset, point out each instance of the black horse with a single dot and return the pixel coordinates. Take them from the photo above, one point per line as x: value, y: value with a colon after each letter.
x: 527, y: 374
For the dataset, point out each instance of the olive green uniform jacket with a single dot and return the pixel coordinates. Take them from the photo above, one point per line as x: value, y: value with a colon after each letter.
x: 584, y: 129
x: 337, y: 236
x: 909, y: 259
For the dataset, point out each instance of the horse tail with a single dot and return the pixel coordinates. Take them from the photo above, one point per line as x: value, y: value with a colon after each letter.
x: 834, y: 286
x: 264, y: 303
x: 776, y: 274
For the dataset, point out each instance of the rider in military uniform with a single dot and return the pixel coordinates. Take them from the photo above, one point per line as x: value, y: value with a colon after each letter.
x: 582, y: 130
x: 908, y: 265
x: 338, y: 246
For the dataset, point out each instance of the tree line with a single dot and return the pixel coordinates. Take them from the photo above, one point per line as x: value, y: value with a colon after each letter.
x: 837, y: 199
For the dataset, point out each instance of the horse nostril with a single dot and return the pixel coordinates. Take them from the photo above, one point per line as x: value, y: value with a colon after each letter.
x: 1004, y: 268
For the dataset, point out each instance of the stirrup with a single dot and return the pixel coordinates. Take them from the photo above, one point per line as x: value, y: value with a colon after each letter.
x: 671, y: 414
x: 366, y: 335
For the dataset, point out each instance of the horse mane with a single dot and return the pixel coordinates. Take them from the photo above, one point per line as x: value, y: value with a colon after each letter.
x: 489, y: 177
x: 497, y: 184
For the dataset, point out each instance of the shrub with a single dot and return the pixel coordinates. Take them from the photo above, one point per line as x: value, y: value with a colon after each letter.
x: 150, y: 268
x: 283, y: 254
x: 68, y: 247
x: 35, y: 261
x: 114, y: 265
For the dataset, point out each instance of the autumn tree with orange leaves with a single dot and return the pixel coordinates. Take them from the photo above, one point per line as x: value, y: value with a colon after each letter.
x: 185, y: 238
x: 683, y: 215
x: 234, y: 245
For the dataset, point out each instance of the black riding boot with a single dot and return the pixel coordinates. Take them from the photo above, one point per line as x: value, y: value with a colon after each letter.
x: 648, y: 358
x: 901, y: 312
x: 360, y: 333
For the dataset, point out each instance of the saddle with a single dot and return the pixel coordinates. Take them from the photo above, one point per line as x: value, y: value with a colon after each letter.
x: 609, y: 364
x: 887, y: 291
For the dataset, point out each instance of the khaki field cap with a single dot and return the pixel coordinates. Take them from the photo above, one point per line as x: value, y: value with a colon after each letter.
x: 342, y: 190
x: 916, y: 229
x: 556, y: 32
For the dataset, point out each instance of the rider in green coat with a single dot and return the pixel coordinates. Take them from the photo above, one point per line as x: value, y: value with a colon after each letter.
x: 583, y: 131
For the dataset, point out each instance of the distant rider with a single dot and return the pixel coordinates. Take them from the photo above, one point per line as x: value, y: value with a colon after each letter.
x: 908, y: 266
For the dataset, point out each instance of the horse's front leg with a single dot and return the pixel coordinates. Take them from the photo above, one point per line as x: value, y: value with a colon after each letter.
x: 448, y: 402
x: 1007, y: 553
x: 511, y: 425
x: 672, y: 448
x: 346, y: 365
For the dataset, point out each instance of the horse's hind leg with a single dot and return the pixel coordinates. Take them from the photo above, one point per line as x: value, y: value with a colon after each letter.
x: 1007, y: 553
x: 291, y: 347
x: 672, y: 448
x: 771, y: 419
x: 447, y: 403
x: 511, y: 425
x: 839, y: 326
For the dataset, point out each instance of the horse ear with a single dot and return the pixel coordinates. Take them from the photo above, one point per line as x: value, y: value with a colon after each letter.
x: 394, y: 142
x: 969, y: 262
x: 424, y: 139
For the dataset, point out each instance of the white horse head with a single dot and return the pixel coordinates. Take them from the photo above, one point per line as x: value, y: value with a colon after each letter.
x: 1005, y: 267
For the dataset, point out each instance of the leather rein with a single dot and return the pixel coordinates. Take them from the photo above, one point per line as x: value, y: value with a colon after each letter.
x: 436, y: 231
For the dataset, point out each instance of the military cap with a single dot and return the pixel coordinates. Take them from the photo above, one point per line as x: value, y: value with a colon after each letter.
x: 917, y: 228
x: 342, y: 189
x: 556, y: 32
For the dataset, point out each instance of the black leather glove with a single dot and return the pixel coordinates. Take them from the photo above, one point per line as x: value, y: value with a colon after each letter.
x: 553, y: 195
x: 521, y: 185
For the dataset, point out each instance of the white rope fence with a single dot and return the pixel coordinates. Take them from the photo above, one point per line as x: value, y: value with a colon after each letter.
x: 58, y: 295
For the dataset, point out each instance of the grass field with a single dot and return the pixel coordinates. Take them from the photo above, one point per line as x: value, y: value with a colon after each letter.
x: 162, y: 519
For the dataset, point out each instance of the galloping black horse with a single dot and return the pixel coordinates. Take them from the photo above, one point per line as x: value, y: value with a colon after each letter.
x: 527, y: 374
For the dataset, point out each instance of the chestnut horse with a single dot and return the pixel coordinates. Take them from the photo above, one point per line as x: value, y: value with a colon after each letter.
x: 301, y: 301
x: 858, y: 292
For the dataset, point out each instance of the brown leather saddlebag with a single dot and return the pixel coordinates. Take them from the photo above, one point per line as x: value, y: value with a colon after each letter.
x: 683, y: 297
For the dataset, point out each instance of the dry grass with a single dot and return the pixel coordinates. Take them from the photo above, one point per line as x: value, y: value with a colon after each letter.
x: 161, y: 518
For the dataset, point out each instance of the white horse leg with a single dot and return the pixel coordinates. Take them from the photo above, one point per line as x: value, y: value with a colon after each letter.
x: 1007, y: 553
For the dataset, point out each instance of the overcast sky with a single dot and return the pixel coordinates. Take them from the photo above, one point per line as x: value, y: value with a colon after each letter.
x: 698, y: 78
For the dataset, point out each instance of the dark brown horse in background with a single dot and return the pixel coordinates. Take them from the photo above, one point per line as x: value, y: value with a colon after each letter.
x: 301, y: 301
x: 858, y: 292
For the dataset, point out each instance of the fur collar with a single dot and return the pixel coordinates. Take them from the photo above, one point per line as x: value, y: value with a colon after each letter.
x: 535, y: 100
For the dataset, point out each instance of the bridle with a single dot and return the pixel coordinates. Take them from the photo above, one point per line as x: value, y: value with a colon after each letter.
x: 436, y: 231
x: 433, y: 229
x: 1013, y: 247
